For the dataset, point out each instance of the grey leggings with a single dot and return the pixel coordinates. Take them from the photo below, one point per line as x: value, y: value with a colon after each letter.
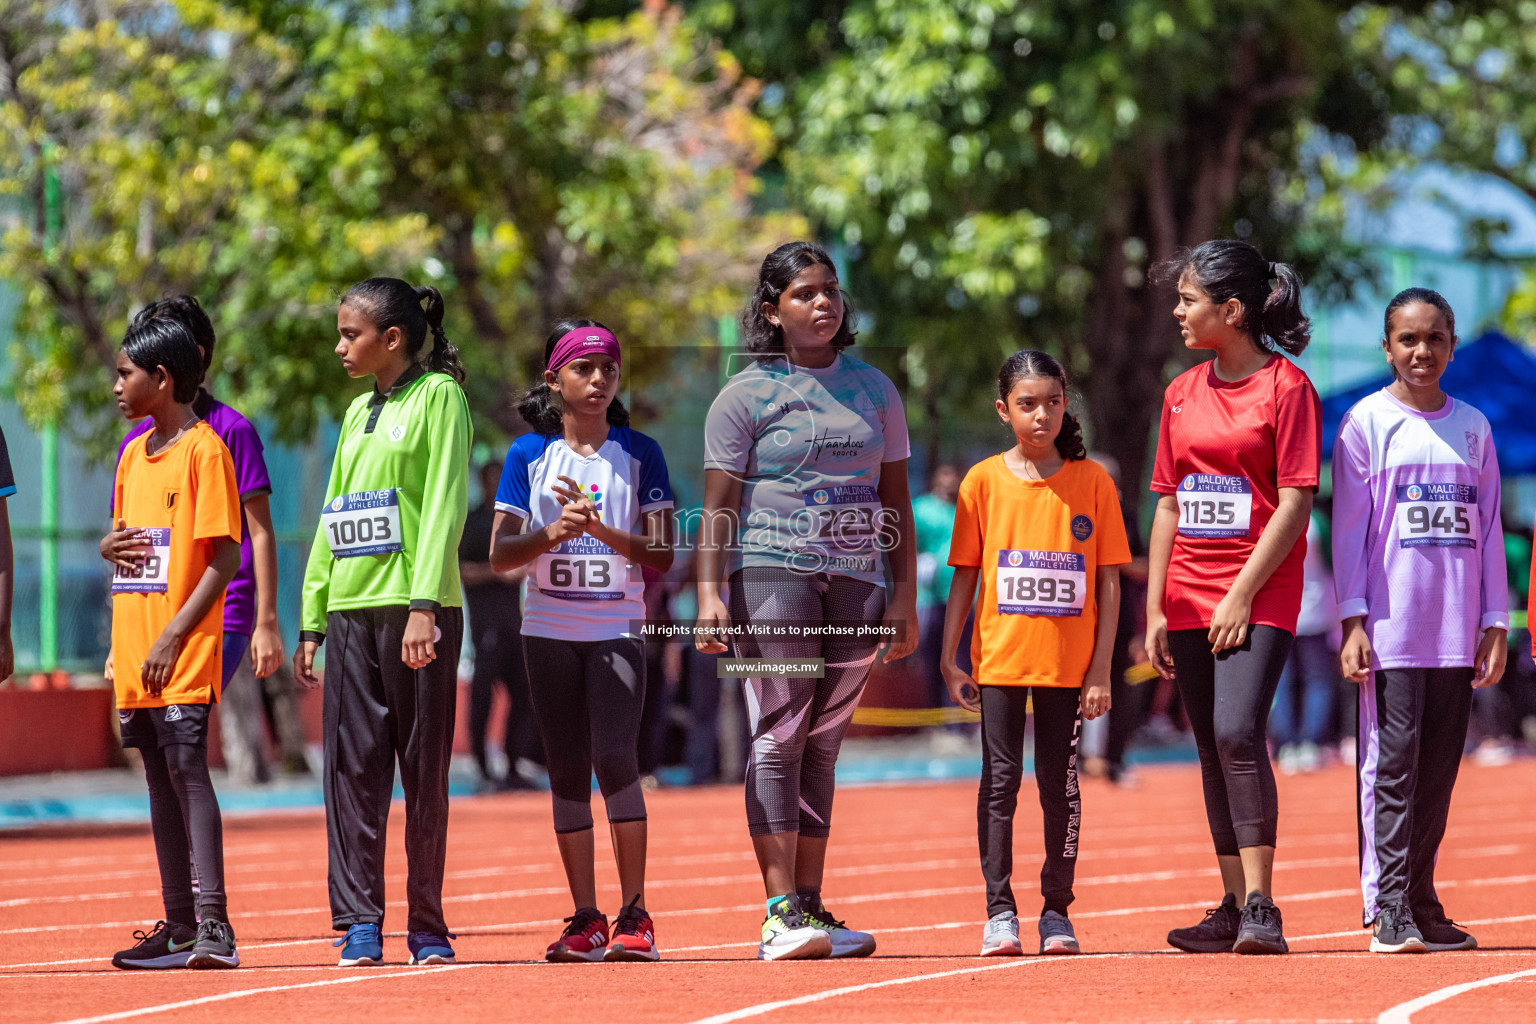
x: 588, y: 695
x: 798, y: 724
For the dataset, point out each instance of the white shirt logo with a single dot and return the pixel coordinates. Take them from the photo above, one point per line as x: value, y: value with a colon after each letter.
x: 397, y: 431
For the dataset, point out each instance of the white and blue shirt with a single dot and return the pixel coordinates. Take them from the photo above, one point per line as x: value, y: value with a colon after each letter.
x: 583, y: 589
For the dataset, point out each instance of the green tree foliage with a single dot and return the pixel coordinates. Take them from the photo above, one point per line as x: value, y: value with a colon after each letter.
x: 1461, y: 79
x: 1006, y: 173
x: 263, y: 156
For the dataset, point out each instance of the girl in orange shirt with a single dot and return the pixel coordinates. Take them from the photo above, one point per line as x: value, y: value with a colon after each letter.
x: 1040, y: 527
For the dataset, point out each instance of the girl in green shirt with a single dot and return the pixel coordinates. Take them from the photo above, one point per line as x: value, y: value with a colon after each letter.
x: 383, y: 587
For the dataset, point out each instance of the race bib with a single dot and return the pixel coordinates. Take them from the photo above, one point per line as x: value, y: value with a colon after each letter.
x: 1215, y: 506
x: 1436, y: 515
x: 1041, y: 583
x: 364, y: 523
x: 844, y: 518
x: 150, y: 575
x: 577, y: 571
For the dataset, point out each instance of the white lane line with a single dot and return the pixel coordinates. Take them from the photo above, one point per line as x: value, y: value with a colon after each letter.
x: 848, y: 990
x: 1363, y: 931
x: 1403, y: 1013
x: 242, y: 993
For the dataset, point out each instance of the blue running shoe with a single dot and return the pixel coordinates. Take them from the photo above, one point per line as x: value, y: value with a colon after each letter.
x: 363, y: 946
x: 427, y: 949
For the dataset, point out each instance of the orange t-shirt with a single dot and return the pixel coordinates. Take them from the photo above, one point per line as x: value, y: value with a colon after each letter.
x: 1039, y: 544
x: 185, y: 495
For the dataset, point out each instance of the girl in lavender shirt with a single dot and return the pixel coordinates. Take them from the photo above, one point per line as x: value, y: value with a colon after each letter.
x: 1418, y: 556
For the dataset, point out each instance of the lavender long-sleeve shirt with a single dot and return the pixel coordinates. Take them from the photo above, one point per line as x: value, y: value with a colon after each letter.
x: 1418, y: 549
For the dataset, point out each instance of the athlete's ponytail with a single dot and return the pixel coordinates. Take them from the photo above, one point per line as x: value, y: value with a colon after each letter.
x: 540, y: 405
x: 391, y: 302
x: 1032, y: 363
x: 444, y: 356
x: 1226, y: 268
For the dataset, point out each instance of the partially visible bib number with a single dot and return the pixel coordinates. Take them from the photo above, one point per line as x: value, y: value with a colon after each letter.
x: 364, y: 523
x: 1041, y: 582
x: 1215, y: 506
x: 1436, y: 515
x: 151, y: 574
x: 845, y: 518
x: 581, y: 575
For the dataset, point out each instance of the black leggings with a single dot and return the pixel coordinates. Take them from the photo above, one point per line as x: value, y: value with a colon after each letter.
x: 1227, y: 698
x: 1002, y: 770
x: 588, y: 695
x: 184, y: 817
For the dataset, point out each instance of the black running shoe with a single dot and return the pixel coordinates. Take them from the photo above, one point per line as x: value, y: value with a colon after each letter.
x: 1441, y: 934
x: 1260, y: 931
x: 215, y: 946
x: 166, y: 947
x: 1215, y: 934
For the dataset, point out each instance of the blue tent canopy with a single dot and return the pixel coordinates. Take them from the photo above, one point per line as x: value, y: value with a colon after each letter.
x: 1490, y: 372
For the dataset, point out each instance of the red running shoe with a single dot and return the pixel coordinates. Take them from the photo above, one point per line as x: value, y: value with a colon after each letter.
x: 633, y: 936
x: 585, y: 938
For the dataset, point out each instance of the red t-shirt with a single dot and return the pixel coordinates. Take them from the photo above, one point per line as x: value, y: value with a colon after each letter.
x: 1225, y: 450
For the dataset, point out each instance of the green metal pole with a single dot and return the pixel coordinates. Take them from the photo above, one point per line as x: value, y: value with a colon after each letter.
x: 48, y: 604
x: 48, y: 610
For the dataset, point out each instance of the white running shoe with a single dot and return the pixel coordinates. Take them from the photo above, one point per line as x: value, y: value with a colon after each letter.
x: 789, y: 935
x: 845, y: 941
x: 1001, y: 935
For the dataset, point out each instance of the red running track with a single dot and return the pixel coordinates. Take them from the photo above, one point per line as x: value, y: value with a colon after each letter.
x: 902, y: 864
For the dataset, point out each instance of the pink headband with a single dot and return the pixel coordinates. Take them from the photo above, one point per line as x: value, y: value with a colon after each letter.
x: 583, y: 341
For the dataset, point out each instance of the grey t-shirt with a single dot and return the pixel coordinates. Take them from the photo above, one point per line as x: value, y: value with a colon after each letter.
x: 807, y: 445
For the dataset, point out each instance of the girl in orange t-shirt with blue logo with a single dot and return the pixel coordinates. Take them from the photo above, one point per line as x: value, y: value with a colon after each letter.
x: 1040, y: 527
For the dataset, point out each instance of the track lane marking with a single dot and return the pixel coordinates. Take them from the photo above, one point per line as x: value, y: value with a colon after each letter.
x: 1403, y: 1012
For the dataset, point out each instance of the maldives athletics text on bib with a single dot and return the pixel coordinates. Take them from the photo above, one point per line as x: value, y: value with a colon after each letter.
x: 1215, y: 506
x: 581, y: 569
x: 1041, y: 582
x: 1435, y: 515
x: 151, y: 574
x: 363, y: 523
x: 845, y: 521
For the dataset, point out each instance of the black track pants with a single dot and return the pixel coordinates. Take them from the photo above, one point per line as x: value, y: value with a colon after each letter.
x: 378, y: 712
x: 1412, y: 726
x: 1003, y: 718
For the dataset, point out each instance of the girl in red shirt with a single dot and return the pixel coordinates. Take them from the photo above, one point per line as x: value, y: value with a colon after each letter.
x: 1237, y: 465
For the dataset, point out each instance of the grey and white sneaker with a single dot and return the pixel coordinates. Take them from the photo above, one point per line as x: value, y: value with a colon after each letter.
x: 845, y: 941
x: 1395, y: 932
x: 1001, y: 935
x: 215, y: 946
x: 1056, y: 934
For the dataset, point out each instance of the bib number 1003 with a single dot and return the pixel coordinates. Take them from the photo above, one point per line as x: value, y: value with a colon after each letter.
x: 363, y: 523
x: 347, y: 532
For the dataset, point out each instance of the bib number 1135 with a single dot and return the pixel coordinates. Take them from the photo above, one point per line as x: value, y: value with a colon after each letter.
x: 1215, y: 506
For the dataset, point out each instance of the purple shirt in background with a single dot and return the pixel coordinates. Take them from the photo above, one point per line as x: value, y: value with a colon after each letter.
x: 251, y: 479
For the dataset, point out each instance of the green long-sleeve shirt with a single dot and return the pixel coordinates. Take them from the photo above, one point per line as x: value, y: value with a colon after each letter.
x: 415, y: 442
